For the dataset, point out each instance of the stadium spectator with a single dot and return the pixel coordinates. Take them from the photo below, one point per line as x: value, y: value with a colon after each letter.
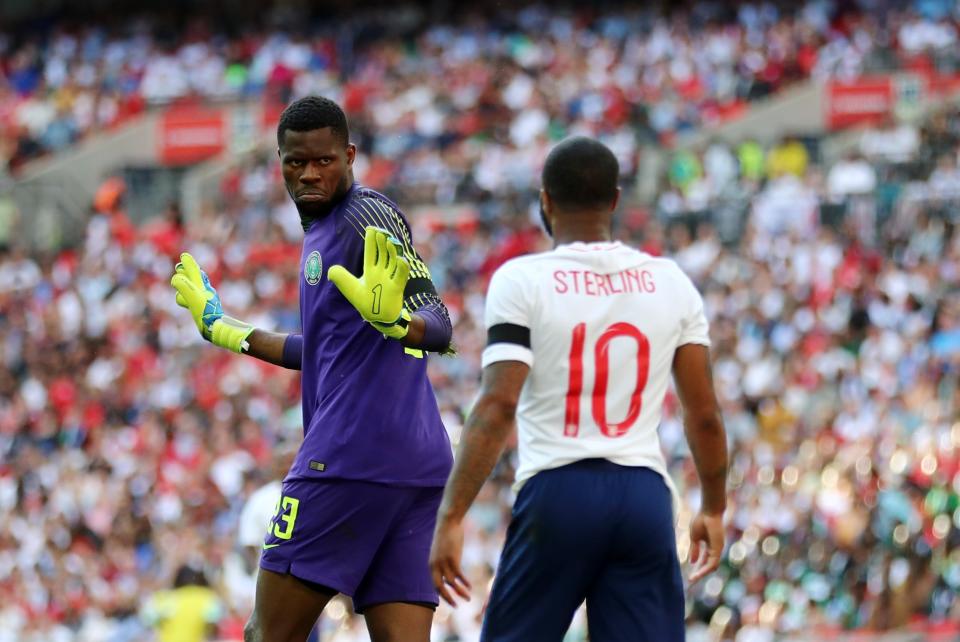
x: 626, y: 70
x: 893, y: 143
x: 851, y: 176
x: 751, y: 156
x: 187, y: 613
x: 789, y: 157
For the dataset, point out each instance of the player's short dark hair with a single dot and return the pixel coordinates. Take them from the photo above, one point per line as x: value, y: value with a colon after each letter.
x: 313, y: 112
x: 580, y: 173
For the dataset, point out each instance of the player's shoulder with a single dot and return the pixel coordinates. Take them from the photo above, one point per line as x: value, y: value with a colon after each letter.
x: 364, y: 207
x: 608, y: 255
x: 367, y: 196
x: 619, y: 252
x: 520, y: 265
x: 670, y: 269
x: 664, y: 263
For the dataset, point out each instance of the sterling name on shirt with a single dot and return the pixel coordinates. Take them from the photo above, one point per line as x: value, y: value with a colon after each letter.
x: 632, y: 281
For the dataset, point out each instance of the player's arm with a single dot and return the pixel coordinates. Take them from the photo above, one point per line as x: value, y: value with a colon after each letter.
x: 484, y: 436
x: 507, y: 360
x: 703, y: 426
x: 197, y: 294
x: 430, y: 327
x: 278, y: 348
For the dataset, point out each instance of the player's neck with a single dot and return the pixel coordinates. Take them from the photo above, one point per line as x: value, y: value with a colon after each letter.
x: 593, y: 233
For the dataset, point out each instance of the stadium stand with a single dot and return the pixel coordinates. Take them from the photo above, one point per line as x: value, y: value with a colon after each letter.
x: 832, y: 290
x: 659, y: 75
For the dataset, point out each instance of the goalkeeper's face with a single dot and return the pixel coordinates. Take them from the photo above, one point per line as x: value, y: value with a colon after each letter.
x: 316, y: 168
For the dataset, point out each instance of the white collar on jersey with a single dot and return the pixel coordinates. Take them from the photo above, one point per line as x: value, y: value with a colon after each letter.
x: 580, y: 246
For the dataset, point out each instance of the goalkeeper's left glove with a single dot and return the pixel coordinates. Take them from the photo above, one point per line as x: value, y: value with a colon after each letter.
x: 195, y: 293
x: 378, y: 293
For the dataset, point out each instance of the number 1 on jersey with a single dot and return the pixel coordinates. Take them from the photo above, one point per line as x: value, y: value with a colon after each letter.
x: 571, y: 424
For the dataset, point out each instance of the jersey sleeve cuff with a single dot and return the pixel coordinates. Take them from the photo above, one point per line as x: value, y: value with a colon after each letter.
x: 698, y: 340
x: 507, y: 352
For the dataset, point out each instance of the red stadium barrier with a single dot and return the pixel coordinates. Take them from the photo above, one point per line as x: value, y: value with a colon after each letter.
x: 872, y: 99
x: 864, y: 100
x: 191, y: 134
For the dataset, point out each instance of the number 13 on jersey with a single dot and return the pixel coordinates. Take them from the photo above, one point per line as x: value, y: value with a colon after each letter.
x: 601, y: 357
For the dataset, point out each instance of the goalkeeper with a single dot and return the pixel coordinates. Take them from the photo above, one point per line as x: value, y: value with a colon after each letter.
x: 358, y: 507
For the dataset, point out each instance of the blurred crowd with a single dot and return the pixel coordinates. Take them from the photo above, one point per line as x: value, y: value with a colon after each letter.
x: 834, y: 295
x: 130, y: 448
x: 487, y: 88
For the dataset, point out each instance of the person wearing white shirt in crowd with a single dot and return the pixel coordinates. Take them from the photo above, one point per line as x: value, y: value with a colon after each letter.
x: 851, y: 177
x: 894, y: 143
x: 240, y: 569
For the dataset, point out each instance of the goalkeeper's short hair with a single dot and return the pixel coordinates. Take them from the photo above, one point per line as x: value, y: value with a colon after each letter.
x: 313, y: 112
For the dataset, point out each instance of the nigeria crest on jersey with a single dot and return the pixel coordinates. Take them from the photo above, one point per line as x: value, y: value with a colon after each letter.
x: 313, y: 268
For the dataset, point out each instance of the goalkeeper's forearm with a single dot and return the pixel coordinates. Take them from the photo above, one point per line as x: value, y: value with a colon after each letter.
x: 430, y: 328
x: 280, y: 349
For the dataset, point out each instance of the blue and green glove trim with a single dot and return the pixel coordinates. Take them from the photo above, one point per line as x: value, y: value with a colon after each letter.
x: 196, y: 294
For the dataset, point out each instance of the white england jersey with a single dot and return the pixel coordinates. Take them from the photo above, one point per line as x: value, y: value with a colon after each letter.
x: 604, y: 323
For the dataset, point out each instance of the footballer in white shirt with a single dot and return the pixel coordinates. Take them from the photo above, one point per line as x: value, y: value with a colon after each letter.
x: 581, y: 344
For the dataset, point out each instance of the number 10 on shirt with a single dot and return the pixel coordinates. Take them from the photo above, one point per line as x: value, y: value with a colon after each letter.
x: 601, y: 356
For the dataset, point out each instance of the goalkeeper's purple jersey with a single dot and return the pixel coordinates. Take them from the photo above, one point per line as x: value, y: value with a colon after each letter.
x: 369, y: 412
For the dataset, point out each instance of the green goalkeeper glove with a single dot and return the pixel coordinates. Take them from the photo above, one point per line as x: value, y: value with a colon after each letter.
x: 195, y: 293
x: 378, y: 293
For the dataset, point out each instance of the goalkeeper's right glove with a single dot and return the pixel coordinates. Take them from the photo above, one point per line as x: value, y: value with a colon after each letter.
x: 378, y: 293
x: 195, y: 293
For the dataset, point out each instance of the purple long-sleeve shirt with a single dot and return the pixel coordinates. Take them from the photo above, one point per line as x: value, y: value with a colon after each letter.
x: 369, y: 412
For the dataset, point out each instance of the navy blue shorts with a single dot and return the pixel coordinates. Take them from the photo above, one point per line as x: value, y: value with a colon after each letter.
x: 594, y: 531
x: 369, y: 541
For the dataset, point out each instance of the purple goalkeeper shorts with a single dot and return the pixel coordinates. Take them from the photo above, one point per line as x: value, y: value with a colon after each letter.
x: 369, y: 541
